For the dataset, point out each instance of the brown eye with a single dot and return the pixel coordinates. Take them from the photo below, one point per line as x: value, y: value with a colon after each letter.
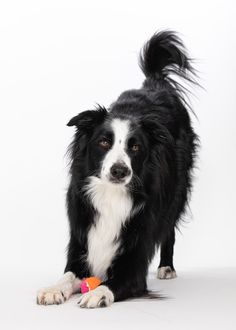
x: 135, y: 147
x: 105, y: 144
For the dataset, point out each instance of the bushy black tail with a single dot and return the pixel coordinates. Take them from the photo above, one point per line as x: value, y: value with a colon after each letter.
x: 165, y: 54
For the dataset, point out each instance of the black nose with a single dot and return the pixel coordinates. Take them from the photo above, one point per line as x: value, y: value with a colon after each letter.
x: 119, y: 171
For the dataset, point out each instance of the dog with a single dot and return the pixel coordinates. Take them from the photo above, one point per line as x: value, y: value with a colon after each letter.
x: 130, y: 181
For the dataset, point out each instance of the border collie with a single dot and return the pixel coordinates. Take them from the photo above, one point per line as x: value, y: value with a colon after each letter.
x: 130, y: 180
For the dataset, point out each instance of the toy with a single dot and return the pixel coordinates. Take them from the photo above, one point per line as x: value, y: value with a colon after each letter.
x: 89, y: 283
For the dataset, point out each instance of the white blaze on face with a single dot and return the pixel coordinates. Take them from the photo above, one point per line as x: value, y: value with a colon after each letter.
x: 117, y: 154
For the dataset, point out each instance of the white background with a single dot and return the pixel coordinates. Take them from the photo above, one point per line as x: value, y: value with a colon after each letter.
x: 58, y: 58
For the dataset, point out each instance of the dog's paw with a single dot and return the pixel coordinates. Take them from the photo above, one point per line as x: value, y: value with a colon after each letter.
x: 99, y: 297
x: 53, y: 295
x: 166, y: 273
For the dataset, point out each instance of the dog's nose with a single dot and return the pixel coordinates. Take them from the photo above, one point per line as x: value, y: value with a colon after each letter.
x: 119, y: 171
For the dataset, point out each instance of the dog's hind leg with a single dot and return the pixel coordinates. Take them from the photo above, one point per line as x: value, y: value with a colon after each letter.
x: 166, y: 269
x: 60, y: 292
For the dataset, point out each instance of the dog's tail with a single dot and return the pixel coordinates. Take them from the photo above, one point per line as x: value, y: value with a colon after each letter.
x: 164, y: 54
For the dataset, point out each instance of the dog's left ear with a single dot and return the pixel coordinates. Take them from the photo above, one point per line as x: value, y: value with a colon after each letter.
x: 156, y: 131
x: 87, y: 120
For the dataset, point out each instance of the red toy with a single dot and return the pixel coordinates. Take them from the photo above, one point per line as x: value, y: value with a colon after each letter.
x: 89, y: 283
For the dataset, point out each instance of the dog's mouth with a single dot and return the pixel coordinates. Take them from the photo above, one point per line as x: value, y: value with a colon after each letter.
x: 121, y: 181
x: 117, y: 181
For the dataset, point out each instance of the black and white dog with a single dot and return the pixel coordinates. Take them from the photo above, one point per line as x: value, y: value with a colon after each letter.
x: 130, y: 180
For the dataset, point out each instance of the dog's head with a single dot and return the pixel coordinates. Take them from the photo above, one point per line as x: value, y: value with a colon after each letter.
x: 114, y: 147
x: 111, y: 147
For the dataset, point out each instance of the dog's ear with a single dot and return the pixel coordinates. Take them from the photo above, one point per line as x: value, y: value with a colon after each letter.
x: 87, y: 120
x: 156, y: 131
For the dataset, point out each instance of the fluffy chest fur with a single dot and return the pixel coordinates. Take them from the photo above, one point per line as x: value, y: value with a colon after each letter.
x: 113, y: 206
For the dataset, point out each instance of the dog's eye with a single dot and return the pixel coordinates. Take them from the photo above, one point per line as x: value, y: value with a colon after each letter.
x: 135, y: 147
x: 105, y: 144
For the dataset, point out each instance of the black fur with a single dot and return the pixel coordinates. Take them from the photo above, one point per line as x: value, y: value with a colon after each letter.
x: 162, y: 180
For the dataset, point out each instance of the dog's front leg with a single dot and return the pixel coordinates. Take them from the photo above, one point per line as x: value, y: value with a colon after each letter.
x: 60, y: 292
x: 128, y: 280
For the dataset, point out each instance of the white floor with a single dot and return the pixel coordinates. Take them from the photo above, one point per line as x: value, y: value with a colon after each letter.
x: 195, y: 300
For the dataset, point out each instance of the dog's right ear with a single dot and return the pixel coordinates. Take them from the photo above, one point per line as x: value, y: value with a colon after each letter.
x: 87, y: 120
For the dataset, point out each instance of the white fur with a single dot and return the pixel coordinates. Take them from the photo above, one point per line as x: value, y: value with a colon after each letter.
x: 113, y: 205
x: 121, y: 130
x: 99, y: 297
x: 60, y: 292
x: 166, y: 273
